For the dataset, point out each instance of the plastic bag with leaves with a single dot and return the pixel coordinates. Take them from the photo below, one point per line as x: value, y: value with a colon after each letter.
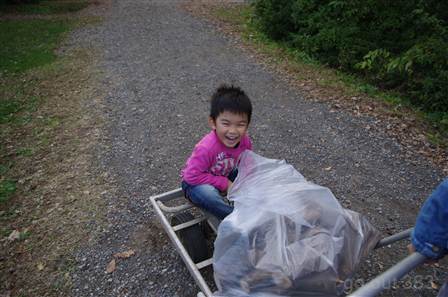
x: 286, y: 235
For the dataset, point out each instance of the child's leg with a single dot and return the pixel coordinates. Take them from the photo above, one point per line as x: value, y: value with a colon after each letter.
x: 208, y: 198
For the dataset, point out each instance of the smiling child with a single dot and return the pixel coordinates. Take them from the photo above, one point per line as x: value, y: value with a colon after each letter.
x: 211, y: 168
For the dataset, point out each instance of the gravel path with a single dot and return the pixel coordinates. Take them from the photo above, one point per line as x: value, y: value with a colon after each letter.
x: 159, y: 67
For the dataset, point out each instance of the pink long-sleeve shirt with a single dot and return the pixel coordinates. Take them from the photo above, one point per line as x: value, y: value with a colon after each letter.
x: 211, y: 161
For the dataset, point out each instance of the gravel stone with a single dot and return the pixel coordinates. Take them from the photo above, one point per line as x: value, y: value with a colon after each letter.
x: 159, y: 66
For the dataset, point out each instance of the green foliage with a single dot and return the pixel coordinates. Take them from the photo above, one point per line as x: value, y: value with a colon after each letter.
x: 398, y: 45
x: 28, y: 43
x: 274, y: 17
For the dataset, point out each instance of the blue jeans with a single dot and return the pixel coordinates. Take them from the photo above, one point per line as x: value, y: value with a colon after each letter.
x: 208, y: 197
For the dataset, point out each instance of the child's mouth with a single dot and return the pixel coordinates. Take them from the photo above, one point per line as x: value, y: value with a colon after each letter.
x: 232, y: 139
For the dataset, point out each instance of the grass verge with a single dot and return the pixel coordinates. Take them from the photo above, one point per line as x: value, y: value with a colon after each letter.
x: 29, y: 43
x: 50, y: 194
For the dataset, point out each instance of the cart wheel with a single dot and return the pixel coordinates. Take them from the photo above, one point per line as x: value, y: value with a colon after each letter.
x: 192, y: 237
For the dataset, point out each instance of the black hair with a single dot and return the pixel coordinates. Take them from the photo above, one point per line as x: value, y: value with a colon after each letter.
x: 230, y: 98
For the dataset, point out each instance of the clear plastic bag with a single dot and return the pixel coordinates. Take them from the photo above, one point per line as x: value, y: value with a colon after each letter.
x: 286, y: 236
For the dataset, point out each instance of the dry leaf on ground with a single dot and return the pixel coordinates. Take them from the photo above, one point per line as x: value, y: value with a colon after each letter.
x: 434, y: 285
x: 125, y: 254
x: 111, y: 266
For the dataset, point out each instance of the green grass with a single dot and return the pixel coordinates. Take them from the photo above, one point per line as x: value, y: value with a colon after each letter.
x: 4, y: 232
x: 44, y: 7
x: 4, y: 168
x: 24, y: 235
x: 7, y: 189
x: 52, y: 122
x: 27, y: 44
x: 16, y: 106
x: 241, y: 17
x: 7, y: 110
x: 26, y: 152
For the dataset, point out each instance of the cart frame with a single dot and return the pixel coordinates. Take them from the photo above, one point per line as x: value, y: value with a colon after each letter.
x: 371, y: 289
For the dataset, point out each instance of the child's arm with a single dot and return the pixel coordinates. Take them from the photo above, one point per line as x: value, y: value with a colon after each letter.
x: 196, y: 172
x: 430, y: 235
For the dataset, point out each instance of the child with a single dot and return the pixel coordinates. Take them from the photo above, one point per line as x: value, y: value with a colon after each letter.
x: 211, y: 168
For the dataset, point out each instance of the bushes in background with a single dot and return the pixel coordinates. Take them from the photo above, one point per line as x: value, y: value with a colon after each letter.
x: 399, y: 45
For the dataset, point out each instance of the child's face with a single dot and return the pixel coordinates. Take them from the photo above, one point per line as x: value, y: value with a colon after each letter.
x: 230, y: 127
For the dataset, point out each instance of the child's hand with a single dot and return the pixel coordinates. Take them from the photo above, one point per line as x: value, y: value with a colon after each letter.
x: 411, y: 249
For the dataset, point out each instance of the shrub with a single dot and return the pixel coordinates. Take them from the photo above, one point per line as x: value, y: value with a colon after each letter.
x: 400, y: 45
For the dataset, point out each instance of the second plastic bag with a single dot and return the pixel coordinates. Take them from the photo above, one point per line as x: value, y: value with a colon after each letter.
x: 286, y: 236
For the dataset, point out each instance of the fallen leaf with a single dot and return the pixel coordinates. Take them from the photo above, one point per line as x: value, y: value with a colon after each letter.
x: 40, y: 266
x: 434, y: 285
x: 126, y: 254
x: 14, y: 235
x: 111, y: 266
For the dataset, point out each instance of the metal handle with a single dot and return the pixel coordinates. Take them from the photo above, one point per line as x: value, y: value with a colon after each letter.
x: 395, y: 273
x: 393, y: 238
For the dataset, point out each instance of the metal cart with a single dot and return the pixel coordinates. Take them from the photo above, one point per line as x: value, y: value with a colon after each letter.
x: 186, y: 233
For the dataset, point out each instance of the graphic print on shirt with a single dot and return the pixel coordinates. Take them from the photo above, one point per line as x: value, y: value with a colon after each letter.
x: 224, y: 164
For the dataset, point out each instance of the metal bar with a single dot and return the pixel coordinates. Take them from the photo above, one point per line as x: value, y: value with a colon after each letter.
x: 393, y: 238
x: 212, y: 225
x: 181, y: 250
x: 395, y: 273
x: 174, y: 209
x: 177, y: 193
x: 212, y: 221
x: 188, y: 224
x: 204, y: 263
